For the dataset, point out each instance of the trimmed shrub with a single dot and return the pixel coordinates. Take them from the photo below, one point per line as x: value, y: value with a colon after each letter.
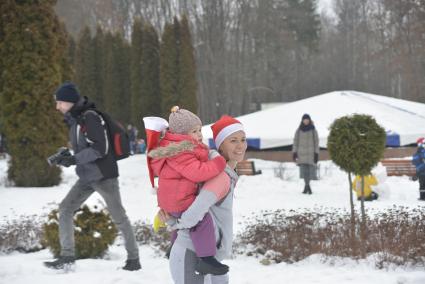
x: 23, y: 235
x: 146, y: 236
x: 356, y: 143
x: 94, y: 233
x: 395, y: 236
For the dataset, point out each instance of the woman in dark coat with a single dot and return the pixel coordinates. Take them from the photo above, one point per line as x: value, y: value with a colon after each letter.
x: 306, y: 151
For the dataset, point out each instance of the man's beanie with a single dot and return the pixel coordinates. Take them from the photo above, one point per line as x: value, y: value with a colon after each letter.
x: 182, y: 121
x: 67, y: 92
x: 224, y: 127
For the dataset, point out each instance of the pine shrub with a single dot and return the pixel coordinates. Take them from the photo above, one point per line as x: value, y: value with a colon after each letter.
x: 356, y: 143
x: 94, y: 232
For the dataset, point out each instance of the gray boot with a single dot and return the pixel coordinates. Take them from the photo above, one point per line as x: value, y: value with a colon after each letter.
x: 132, y: 265
x: 210, y: 265
x: 61, y: 262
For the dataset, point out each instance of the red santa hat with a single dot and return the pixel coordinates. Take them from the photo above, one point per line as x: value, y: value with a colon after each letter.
x: 420, y: 141
x: 224, y: 127
x: 154, y: 126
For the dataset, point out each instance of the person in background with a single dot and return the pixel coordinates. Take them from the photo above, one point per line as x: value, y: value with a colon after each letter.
x: 132, y: 137
x: 368, y: 193
x: 141, y: 144
x: 418, y: 160
x: 305, y: 151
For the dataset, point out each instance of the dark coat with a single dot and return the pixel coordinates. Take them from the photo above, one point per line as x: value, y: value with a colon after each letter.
x: 418, y: 160
x: 90, y: 142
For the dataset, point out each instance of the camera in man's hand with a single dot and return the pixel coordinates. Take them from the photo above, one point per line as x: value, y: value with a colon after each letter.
x: 57, y: 157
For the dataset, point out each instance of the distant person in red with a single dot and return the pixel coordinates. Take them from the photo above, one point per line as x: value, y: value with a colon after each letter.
x: 305, y: 151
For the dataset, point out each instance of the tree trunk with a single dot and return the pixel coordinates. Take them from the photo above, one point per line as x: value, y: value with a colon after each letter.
x: 353, y: 218
x: 363, y: 224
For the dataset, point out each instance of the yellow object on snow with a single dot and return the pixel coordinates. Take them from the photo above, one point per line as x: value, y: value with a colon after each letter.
x: 158, y: 224
x: 368, y: 182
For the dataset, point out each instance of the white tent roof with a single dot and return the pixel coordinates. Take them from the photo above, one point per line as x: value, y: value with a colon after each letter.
x: 275, y: 127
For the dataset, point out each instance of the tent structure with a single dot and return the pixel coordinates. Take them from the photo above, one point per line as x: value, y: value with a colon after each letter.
x: 404, y: 121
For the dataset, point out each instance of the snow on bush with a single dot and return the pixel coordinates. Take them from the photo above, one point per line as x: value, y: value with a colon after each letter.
x: 146, y: 236
x: 395, y: 236
x: 22, y: 234
x: 94, y: 233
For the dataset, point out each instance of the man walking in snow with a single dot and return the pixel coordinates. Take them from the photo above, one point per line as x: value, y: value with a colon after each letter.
x: 97, y: 170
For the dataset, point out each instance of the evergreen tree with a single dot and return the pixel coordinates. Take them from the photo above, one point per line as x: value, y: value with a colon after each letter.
x: 125, y: 80
x: 117, y: 78
x: 108, y: 69
x: 84, y: 64
x: 3, y: 7
x: 99, y: 50
x: 136, y: 71
x: 68, y: 57
x: 187, y: 70
x: 169, y: 67
x: 31, y: 57
x: 151, y: 99
x: 304, y: 22
x: 72, y: 49
x: 356, y: 144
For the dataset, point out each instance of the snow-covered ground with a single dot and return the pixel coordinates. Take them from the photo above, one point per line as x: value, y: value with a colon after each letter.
x: 253, y: 194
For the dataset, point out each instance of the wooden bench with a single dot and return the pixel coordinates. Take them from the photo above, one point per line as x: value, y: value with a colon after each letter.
x: 399, y: 167
x: 247, y: 168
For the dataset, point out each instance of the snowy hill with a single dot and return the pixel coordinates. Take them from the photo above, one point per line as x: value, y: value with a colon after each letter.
x: 253, y: 194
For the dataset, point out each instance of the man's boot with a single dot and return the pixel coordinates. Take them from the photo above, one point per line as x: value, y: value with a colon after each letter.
x: 132, y: 265
x: 61, y: 262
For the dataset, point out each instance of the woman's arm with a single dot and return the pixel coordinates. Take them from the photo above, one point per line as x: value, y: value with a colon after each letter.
x: 316, y: 141
x: 212, y: 191
x: 295, y: 143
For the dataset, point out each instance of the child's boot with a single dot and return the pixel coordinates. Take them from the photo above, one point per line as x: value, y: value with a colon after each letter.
x: 210, y: 265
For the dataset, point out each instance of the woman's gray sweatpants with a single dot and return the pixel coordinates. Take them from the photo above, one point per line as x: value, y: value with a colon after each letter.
x: 182, y: 267
x: 80, y: 192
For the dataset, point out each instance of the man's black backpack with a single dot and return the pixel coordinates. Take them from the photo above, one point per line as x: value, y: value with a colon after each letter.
x: 118, y: 136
